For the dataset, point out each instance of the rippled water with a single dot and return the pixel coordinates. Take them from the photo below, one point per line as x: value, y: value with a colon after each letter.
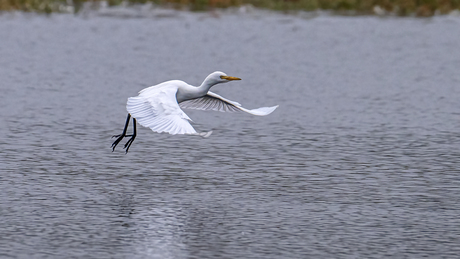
x: 361, y: 159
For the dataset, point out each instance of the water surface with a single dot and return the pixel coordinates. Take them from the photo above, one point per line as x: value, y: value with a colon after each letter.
x: 361, y: 159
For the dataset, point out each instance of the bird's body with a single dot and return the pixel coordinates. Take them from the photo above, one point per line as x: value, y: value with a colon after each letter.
x: 159, y: 107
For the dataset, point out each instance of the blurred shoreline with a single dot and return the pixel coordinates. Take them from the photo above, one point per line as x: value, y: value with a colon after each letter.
x: 411, y: 8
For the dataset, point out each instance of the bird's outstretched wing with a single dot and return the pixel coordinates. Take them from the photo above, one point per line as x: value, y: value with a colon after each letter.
x: 215, y: 102
x: 157, y: 109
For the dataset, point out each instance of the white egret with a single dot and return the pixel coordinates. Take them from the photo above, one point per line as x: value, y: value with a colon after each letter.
x: 159, y: 107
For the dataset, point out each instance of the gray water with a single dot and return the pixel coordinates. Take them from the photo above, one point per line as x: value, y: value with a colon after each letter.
x: 361, y: 159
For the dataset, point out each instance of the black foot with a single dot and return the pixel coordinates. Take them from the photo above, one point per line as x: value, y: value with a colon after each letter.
x: 128, y: 144
x: 133, y: 136
x: 115, y: 143
x: 123, y: 135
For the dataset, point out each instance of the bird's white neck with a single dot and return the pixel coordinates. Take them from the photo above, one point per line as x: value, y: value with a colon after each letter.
x: 205, y: 86
x: 192, y: 92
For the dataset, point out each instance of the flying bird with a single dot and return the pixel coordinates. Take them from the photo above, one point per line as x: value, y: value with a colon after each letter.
x: 159, y: 107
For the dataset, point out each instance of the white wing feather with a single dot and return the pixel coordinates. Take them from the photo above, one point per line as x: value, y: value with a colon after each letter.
x: 215, y: 102
x: 157, y: 108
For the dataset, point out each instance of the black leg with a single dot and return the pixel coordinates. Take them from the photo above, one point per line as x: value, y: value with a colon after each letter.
x: 133, y: 136
x: 122, y: 135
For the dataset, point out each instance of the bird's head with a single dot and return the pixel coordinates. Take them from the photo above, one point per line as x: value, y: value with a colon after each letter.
x: 220, y: 77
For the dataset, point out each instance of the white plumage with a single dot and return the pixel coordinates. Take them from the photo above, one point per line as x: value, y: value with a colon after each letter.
x: 156, y: 108
x: 159, y: 107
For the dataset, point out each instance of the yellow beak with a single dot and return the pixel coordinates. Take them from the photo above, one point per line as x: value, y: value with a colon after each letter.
x: 230, y: 78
